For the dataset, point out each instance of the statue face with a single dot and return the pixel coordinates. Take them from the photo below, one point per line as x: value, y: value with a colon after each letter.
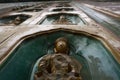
x: 62, y: 17
x: 61, y: 46
x: 17, y: 20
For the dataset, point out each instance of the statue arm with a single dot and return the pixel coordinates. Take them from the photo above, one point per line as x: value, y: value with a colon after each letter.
x: 75, y: 69
x: 43, y: 64
x: 75, y: 65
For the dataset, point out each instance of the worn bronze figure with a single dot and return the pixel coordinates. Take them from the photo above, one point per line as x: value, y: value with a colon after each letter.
x: 16, y: 21
x: 59, y: 66
x: 62, y: 20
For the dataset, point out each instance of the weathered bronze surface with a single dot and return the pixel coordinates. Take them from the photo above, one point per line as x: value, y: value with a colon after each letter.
x: 63, y: 9
x: 62, y: 20
x: 58, y: 66
x: 13, y: 20
x: 23, y: 47
x: 16, y: 21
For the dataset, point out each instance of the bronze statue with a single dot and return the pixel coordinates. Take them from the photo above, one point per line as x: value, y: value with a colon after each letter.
x: 59, y: 66
x: 63, y: 10
x: 62, y: 20
x: 16, y: 21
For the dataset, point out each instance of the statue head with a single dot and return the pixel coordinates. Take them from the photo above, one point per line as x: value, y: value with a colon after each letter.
x: 63, y: 9
x: 62, y: 17
x: 17, y: 20
x: 61, y: 46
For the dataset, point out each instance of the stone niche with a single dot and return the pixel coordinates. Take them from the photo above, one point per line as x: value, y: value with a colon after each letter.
x: 31, y: 10
x: 63, y: 9
x: 62, y: 19
x: 42, y: 6
x: 63, y: 5
x: 13, y: 20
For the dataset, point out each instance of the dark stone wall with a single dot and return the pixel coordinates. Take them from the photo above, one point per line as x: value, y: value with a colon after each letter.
x: 7, y: 1
x: 106, y: 0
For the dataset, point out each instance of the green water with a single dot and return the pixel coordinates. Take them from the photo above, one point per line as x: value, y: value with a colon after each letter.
x: 97, y: 61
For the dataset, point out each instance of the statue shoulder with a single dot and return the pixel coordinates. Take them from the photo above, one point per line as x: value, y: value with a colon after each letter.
x: 47, y: 55
x: 76, y: 62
